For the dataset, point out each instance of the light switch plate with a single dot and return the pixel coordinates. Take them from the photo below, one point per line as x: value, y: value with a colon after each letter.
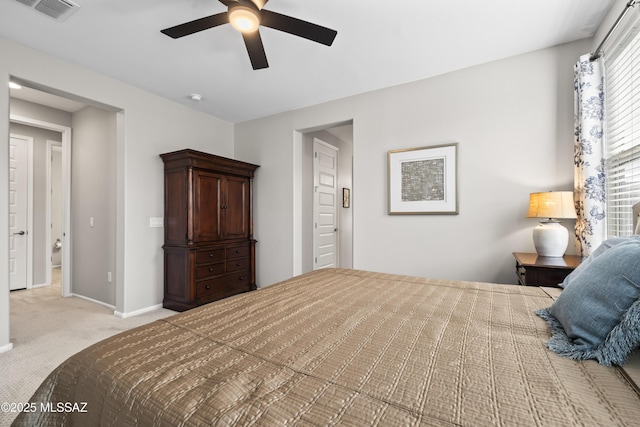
x: 155, y: 222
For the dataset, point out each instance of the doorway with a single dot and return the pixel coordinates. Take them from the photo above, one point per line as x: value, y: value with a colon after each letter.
x: 40, y: 250
x: 339, y: 135
x: 20, y: 211
x: 325, y: 208
x: 54, y: 213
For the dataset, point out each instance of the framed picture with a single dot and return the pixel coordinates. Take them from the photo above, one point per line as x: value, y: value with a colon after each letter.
x: 423, y: 180
x: 346, y: 197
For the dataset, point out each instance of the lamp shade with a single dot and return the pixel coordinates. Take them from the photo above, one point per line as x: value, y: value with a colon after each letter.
x: 552, y: 204
x: 550, y: 238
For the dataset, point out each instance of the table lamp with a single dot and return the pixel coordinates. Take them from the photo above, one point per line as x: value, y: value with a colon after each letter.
x: 550, y: 237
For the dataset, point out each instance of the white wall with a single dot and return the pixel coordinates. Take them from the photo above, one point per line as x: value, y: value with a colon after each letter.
x: 513, y: 120
x: 147, y: 126
x: 93, y: 195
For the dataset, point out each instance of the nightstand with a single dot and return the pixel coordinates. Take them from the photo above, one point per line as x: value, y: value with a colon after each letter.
x: 534, y: 270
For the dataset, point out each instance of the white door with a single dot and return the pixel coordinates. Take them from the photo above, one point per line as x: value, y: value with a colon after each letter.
x: 325, y: 169
x: 18, y: 210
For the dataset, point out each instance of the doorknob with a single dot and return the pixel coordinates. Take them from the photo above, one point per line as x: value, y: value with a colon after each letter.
x: 21, y: 233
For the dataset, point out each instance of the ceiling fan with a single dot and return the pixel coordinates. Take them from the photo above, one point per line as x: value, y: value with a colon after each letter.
x: 247, y: 16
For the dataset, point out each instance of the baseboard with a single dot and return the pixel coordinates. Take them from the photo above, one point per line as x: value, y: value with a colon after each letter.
x: 95, y: 301
x: 6, y: 347
x: 40, y: 285
x: 137, y: 312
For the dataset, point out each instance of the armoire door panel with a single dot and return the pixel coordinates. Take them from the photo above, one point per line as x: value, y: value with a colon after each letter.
x: 236, y: 221
x: 207, y: 203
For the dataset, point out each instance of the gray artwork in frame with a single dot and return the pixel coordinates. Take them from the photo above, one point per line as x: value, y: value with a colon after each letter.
x: 423, y: 180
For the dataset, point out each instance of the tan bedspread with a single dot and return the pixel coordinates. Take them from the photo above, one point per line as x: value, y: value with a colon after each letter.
x: 342, y: 347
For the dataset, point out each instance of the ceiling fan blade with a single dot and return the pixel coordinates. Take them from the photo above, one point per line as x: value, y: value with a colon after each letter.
x: 297, y: 27
x: 255, y: 49
x: 259, y: 3
x: 195, y: 26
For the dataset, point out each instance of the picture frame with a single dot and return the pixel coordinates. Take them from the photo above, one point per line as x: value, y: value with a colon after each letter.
x: 423, y: 181
x: 346, y: 197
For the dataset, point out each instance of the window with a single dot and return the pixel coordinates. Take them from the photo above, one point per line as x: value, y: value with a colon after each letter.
x: 622, y: 134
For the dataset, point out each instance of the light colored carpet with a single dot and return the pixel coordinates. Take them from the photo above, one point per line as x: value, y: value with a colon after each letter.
x: 45, y: 330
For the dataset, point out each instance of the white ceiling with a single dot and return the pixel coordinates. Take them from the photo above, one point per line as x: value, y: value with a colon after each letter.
x: 379, y: 44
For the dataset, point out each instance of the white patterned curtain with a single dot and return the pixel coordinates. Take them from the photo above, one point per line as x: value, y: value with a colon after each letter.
x: 589, y: 179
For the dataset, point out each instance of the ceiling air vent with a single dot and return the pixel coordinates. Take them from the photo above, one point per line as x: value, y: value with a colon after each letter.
x: 57, y: 9
x: 29, y: 3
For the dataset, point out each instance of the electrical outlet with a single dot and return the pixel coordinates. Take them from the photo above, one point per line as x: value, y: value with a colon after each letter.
x: 91, y: 221
x: 108, y: 277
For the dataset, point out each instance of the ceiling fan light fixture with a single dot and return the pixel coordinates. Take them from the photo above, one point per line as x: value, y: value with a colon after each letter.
x: 247, y: 16
x: 244, y: 18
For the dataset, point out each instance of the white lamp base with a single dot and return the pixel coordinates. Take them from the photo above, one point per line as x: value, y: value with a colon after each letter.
x: 550, y: 239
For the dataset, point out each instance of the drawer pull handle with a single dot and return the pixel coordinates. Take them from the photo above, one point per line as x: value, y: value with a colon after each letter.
x: 210, y: 255
x: 237, y: 251
x: 211, y: 269
x: 207, y: 287
x: 237, y: 264
x: 241, y: 278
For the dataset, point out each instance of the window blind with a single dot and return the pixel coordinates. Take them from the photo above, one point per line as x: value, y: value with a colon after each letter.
x: 622, y: 134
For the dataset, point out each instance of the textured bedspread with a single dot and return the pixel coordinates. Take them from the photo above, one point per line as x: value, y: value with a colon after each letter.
x: 342, y: 347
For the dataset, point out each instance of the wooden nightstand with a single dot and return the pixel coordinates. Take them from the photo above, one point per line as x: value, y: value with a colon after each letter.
x: 534, y: 270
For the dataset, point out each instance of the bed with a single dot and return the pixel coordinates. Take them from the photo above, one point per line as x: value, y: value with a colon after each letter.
x: 343, y: 347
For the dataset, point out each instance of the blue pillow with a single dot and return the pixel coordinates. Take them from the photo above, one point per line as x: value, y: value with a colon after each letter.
x: 607, y: 244
x: 598, y: 315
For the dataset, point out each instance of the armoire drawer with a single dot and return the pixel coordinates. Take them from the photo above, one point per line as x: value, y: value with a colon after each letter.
x: 237, y: 252
x: 210, y: 255
x: 210, y: 270
x: 224, y: 286
x: 237, y: 264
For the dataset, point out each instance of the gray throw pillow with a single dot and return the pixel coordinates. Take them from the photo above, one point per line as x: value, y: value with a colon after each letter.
x: 598, y: 315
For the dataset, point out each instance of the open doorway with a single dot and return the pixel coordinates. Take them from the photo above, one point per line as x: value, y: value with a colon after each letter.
x: 40, y: 250
x: 88, y: 258
x: 20, y: 210
x: 54, y: 214
x: 339, y: 136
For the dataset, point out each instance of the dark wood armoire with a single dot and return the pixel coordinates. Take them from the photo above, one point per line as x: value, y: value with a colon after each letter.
x: 209, y: 250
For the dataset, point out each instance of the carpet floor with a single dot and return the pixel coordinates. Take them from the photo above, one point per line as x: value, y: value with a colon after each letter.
x: 45, y: 330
